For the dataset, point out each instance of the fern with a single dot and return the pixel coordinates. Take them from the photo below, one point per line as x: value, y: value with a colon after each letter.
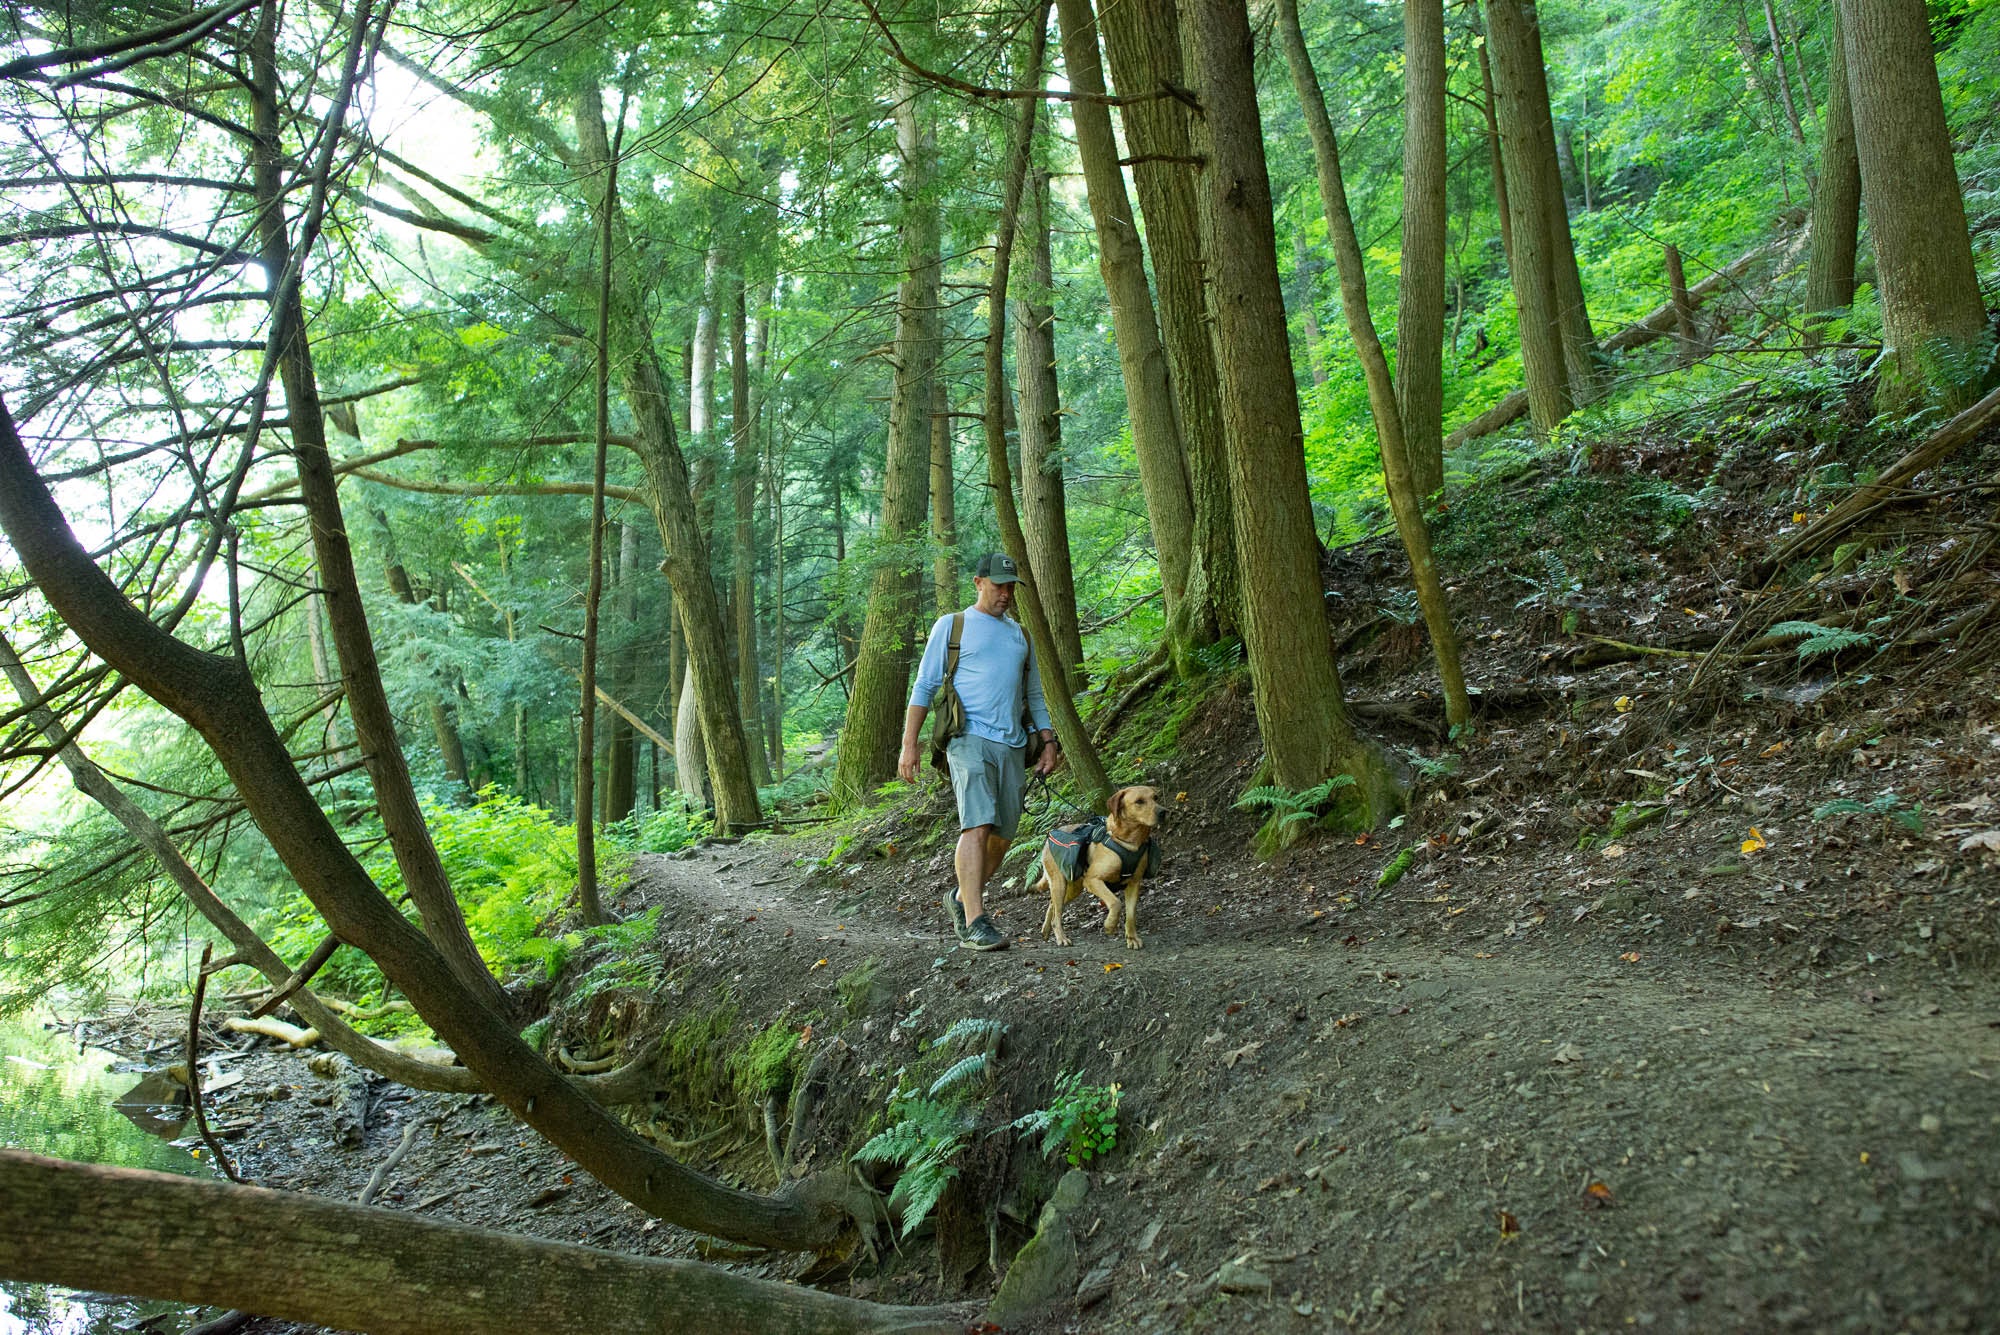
x: 1817, y: 641
x: 987, y: 1032
x: 924, y: 1141
x: 1888, y: 805
x: 962, y: 1071
x: 1219, y: 657
x: 1289, y: 805
x: 1556, y: 586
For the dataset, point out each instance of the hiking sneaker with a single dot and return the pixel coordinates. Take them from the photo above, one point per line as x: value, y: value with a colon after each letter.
x: 981, y: 934
x: 957, y: 912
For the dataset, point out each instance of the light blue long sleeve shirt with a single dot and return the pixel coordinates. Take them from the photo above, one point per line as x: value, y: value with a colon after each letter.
x: 991, y: 652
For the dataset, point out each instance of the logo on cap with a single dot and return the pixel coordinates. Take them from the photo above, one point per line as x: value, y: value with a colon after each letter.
x: 998, y: 567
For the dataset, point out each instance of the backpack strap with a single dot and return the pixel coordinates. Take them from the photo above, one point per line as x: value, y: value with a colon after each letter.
x: 951, y: 646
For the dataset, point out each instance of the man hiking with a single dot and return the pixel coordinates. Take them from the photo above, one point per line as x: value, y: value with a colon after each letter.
x: 1000, y: 690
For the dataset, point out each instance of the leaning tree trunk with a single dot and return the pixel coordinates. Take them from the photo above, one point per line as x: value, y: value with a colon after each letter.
x: 644, y: 384
x: 1420, y: 301
x: 1933, y: 317
x: 1836, y: 220
x: 882, y: 666
x: 352, y: 1267
x: 216, y: 695
x: 1076, y: 741
x: 1405, y: 500
x: 1301, y: 714
x: 361, y: 676
x: 1044, y: 514
x: 1149, y: 402
x: 1142, y: 43
x: 743, y: 490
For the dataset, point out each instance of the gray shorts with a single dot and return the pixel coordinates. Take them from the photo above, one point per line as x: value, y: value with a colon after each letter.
x: 987, y: 778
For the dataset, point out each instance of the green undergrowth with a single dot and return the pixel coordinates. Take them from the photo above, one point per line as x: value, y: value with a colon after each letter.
x: 714, y: 1061
x: 512, y: 866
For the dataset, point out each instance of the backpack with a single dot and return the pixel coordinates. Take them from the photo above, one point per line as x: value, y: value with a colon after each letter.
x: 948, y: 711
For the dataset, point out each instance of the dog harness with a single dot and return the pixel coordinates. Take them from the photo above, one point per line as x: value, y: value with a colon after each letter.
x: 1071, y: 845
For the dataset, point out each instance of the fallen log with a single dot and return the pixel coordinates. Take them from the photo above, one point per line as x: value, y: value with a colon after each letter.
x: 122, y: 1230
x: 289, y: 1034
x: 1655, y: 324
x: 1941, y: 445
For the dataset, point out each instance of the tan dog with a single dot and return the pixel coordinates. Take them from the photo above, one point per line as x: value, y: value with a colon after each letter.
x: 1121, y: 851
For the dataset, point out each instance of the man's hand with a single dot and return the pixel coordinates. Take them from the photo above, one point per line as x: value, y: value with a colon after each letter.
x: 906, y: 765
x: 1051, y: 756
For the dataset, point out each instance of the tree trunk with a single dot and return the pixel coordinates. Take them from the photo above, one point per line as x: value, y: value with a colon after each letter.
x: 1836, y: 221
x: 1149, y: 401
x: 690, y: 750
x: 1784, y: 77
x: 621, y: 786
x: 1533, y: 192
x: 1420, y: 302
x: 1677, y: 293
x: 944, y: 505
x: 1142, y: 42
x: 743, y: 488
x: 217, y: 696
x: 874, y: 726
x: 361, y: 677
x: 1404, y: 499
x: 703, y: 355
x: 351, y: 1267
x: 1077, y: 746
x: 846, y: 639
x: 1500, y: 198
x: 1933, y: 317
x: 644, y: 385
x: 1044, y: 516
x: 1301, y: 714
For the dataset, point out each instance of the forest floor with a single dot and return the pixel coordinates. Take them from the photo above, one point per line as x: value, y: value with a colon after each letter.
x: 1675, y: 1020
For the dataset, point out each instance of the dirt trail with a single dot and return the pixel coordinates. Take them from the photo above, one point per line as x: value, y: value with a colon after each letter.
x: 1398, y: 1136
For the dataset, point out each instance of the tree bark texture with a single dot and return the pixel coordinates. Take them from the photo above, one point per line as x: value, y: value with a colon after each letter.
x: 1149, y: 401
x: 874, y: 725
x: 216, y: 695
x: 1044, y: 514
x: 1522, y: 106
x: 1077, y: 746
x: 1836, y: 219
x: 944, y: 505
x: 1933, y: 317
x: 1500, y: 197
x: 1301, y: 714
x: 360, y: 673
x: 743, y: 550
x: 644, y: 385
x: 1405, y: 501
x: 621, y: 786
x: 1420, y: 303
x: 351, y: 1267
x: 1142, y: 43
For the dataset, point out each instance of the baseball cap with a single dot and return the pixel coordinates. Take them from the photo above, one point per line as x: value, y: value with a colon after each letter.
x: 998, y: 567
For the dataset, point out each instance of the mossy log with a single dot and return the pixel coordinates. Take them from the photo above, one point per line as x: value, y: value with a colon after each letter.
x: 122, y: 1230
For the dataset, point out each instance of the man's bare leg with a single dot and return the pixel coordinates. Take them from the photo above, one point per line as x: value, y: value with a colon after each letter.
x: 968, y: 863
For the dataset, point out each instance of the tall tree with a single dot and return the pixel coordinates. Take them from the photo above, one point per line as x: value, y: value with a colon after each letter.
x: 1044, y: 513
x: 643, y: 384
x: 1156, y: 432
x: 1836, y: 220
x: 1420, y: 304
x: 869, y: 738
x: 1933, y: 317
x: 744, y: 457
x: 1405, y: 500
x: 1301, y: 714
x: 1142, y: 43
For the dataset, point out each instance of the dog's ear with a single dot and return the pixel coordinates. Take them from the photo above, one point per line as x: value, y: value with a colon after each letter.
x: 1116, y: 808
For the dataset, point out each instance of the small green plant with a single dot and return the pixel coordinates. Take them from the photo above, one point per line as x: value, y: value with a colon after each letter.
x: 1288, y: 807
x: 1222, y: 656
x: 1817, y: 641
x: 1082, y: 1121
x: 1887, y: 805
x: 1434, y: 767
x: 928, y: 1129
x: 1556, y: 586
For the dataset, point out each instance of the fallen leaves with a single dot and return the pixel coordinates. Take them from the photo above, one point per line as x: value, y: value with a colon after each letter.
x: 817, y: 964
x: 1249, y: 1049
x: 1988, y: 840
x: 1109, y: 967
x: 1597, y: 1196
x: 1567, y: 1053
x: 1630, y: 957
x: 1755, y: 843
x: 1510, y: 1227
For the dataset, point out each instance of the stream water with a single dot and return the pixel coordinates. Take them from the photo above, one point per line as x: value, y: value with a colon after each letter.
x: 56, y: 1099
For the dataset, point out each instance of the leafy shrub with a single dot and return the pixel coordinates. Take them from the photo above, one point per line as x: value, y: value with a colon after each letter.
x: 927, y: 1130
x: 1082, y: 1121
